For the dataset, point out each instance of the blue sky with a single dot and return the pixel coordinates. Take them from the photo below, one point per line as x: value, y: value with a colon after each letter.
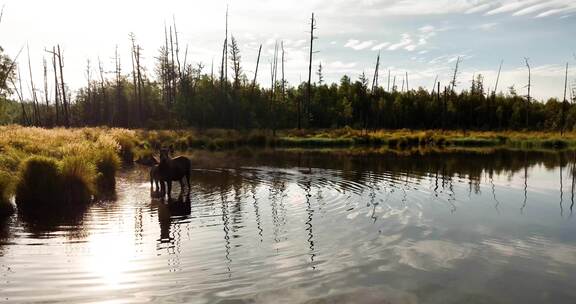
x: 421, y: 37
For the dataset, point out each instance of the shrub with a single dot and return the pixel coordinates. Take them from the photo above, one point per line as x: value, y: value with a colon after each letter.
x: 78, y: 177
x: 39, y: 182
x: 107, y: 163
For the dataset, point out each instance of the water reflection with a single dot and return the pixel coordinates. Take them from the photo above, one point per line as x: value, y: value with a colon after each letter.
x: 432, y: 227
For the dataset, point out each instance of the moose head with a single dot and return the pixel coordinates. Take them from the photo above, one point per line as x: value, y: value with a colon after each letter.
x: 165, y: 153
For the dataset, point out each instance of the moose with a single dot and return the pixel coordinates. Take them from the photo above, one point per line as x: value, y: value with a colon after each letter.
x: 170, y: 169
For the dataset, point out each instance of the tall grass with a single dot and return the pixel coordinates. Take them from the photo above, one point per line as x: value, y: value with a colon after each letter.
x: 61, y: 165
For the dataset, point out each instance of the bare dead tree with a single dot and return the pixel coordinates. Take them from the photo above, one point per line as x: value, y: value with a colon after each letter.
x: 407, y: 87
x: 388, y: 81
x: 106, y: 106
x: 224, y: 66
x: 434, y: 86
x: 137, y: 77
x: 172, y: 68
x: 36, y: 110
x: 56, y: 87
x: 65, y: 109
x: 375, y: 78
x: 47, y: 118
x: 165, y: 70
x: 256, y: 71
x: 89, y: 101
x: 25, y: 119
x: 309, y: 87
x: 529, y: 87
x: 564, y: 102
x: 177, y: 50
x: 118, y: 76
x: 273, y: 77
x: 283, y: 79
x: 498, y: 77
x: 454, y: 77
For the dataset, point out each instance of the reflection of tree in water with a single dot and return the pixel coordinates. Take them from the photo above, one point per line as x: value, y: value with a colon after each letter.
x: 525, y: 184
x: 493, y: 187
x: 306, y: 185
x: 253, y: 186
x: 276, y: 197
x: 561, y: 189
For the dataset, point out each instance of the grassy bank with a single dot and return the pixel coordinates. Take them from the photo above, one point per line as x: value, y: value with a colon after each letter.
x: 44, y: 166
x: 396, y: 139
x: 59, y: 166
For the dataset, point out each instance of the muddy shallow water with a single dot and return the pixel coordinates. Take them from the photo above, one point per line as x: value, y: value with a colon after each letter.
x: 301, y: 226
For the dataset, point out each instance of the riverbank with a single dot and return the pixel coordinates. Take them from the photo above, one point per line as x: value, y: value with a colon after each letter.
x: 345, y: 138
x: 64, y: 166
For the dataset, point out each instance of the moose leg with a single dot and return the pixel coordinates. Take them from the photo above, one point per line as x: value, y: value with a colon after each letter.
x: 169, y: 188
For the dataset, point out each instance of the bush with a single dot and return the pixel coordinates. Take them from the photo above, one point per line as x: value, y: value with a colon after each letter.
x: 78, y: 176
x: 39, y: 182
x: 107, y: 163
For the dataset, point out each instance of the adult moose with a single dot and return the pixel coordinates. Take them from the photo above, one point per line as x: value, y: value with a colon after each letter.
x: 173, y: 169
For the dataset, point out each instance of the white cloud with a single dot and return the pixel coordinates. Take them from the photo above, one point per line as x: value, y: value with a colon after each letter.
x: 380, y: 46
x: 485, y: 26
x: 405, y: 41
x: 359, y: 45
x: 427, y: 29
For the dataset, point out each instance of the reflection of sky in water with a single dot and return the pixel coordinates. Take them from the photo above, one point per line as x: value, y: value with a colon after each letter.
x: 272, y: 233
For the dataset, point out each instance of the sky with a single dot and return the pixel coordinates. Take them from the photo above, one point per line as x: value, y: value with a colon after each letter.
x: 420, y: 37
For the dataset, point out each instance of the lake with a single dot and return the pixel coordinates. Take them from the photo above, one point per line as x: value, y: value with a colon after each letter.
x: 297, y: 226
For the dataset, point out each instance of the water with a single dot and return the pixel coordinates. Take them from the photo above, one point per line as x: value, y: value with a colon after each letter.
x: 313, y: 227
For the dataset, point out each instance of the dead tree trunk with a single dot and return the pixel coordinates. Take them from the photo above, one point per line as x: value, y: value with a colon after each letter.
x: 89, y: 101
x: 564, y: 102
x: 375, y: 78
x: 273, y: 73
x: 283, y: 79
x: 56, y: 87
x: 36, y: 110
x: 434, y: 86
x: 407, y: 87
x: 454, y: 77
x: 529, y: 87
x: 309, y: 87
x: 25, y: 120
x: 47, y: 118
x: 64, y: 99
x: 105, y: 117
x: 256, y: 71
x: 388, y: 89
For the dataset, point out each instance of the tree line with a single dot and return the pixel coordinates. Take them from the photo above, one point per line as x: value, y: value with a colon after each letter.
x: 177, y: 93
